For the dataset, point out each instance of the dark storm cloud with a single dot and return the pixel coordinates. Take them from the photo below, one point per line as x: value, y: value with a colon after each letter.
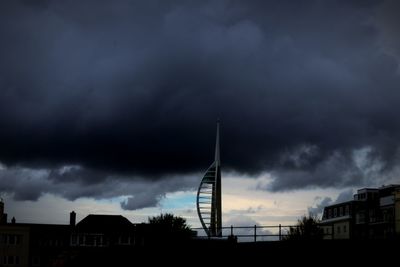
x: 132, y: 88
x: 141, y: 200
x: 389, y: 21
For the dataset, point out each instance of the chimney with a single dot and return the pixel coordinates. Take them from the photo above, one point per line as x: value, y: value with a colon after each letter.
x: 1, y: 207
x: 13, y: 220
x: 3, y: 216
x: 72, y: 218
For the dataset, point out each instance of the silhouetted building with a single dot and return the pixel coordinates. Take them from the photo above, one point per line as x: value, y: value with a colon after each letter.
x: 208, y: 201
x: 373, y: 213
x: 14, y: 245
x: 48, y: 244
x: 103, y: 231
x: 97, y: 240
x: 29, y: 244
x: 23, y: 244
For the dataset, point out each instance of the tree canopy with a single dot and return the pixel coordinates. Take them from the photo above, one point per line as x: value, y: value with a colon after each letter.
x: 169, y: 225
x: 307, y: 228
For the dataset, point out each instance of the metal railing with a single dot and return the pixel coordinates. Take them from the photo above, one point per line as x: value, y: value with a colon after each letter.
x: 254, y: 233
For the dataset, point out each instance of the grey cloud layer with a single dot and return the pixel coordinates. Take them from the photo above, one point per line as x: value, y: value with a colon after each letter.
x: 74, y: 182
x: 133, y: 89
x: 346, y: 195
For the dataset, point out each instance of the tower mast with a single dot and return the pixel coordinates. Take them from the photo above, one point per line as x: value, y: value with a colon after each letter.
x: 218, y: 185
x: 209, y: 204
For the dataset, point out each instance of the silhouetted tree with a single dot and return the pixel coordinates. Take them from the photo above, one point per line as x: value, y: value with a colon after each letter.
x: 307, y: 228
x: 168, y: 225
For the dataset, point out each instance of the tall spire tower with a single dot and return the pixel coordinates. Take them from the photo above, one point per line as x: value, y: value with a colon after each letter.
x: 209, y: 204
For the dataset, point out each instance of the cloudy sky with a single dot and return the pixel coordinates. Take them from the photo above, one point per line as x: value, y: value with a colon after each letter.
x: 110, y: 106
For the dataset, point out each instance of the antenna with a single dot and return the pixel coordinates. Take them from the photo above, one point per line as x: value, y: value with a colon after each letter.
x: 217, y: 153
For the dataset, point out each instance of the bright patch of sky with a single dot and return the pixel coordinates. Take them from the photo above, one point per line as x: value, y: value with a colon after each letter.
x: 241, y: 198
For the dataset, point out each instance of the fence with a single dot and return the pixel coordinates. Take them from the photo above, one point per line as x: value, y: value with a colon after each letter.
x: 255, y: 233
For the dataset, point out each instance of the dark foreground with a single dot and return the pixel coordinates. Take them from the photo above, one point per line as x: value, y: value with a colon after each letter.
x: 207, y: 252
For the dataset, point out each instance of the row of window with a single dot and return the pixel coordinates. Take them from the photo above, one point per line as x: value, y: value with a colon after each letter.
x: 338, y: 229
x: 49, y: 242
x: 365, y: 196
x: 10, y: 239
x: 97, y: 240
x: 10, y: 260
x: 337, y: 212
x: 87, y: 240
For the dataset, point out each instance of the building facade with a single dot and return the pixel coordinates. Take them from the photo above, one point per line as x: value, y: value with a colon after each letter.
x: 78, y: 244
x: 27, y: 244
x: 14, y: 245
x: 374, y: 213
x: 103, y: 231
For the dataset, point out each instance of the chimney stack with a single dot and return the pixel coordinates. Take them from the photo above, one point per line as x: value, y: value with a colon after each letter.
x: 72, y: 218
x: 3, y: 216
x: 1, y: 207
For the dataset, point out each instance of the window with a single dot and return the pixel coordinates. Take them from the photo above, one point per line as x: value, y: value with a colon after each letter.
x: 360, y: 217
x: 347, y: 210
x: 73, y: 240
x: 335, y: 212
x: 344, y: 228
x: 36, y: 261
x: 11, y: 239
x: 372, y: 217
x: 98, y: 240
x: 81, y: 240
x: 89, y: 240
x: 341, y: 211
x: 124, y: 240
x: 338, y: 229
x: 330, y: 213
x: 10, y: 260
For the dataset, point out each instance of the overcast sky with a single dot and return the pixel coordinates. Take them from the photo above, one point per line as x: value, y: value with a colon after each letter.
x: 117, y: 101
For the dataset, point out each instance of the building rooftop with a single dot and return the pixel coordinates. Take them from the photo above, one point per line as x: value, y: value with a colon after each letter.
x: 94, y: 222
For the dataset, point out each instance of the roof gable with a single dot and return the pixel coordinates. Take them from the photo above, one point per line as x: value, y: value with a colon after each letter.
x: 104, y: 223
